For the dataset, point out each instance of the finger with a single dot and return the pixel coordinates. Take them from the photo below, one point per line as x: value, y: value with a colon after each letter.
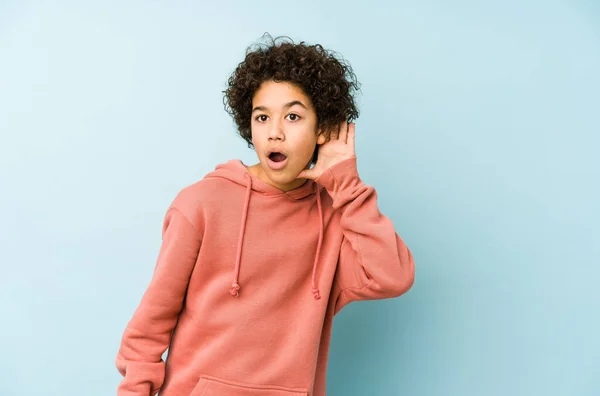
x: 306, y: 174
x: 344, y: 132
x: 335, y: 132
x: 351, y: 135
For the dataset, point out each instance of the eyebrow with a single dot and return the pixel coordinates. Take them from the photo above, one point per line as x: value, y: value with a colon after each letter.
x: 285, y: 106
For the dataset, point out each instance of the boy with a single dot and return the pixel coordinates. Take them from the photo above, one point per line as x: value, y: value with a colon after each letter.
x: 256, y: 260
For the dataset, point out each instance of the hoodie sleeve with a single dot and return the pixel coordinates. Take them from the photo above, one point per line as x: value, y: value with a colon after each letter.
x: 374, y: 262
x: 148, y: 333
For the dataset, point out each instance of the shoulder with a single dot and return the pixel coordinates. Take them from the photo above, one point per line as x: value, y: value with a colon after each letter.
x: 201, y: 194
x: 193, y: 202
x: 207, y: 194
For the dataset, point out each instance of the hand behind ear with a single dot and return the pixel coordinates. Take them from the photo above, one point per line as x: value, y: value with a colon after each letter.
x: 338, y: 148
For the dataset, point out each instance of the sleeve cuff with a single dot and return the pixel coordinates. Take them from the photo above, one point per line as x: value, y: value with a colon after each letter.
x: 341, y: 181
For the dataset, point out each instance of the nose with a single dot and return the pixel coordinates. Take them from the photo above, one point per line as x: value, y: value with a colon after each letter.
x: 276, y: 131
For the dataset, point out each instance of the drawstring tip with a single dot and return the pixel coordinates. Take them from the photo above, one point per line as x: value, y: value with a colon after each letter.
x: 316, y: 294
x: 235, y: 290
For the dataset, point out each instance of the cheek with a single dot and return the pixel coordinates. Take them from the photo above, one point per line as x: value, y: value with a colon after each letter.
x: 255, y: 133
x: 307, y: 144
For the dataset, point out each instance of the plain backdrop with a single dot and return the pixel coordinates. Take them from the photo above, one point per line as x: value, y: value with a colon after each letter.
x: 479, y: 128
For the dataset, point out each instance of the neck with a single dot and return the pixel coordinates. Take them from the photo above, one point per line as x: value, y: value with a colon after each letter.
x: 257, y: 171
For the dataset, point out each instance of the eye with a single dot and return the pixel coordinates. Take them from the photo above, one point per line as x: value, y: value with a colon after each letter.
x: 261, y: 118
x: 294, y: 117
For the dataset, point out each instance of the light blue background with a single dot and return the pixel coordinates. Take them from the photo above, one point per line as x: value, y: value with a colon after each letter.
x: 479, y: 129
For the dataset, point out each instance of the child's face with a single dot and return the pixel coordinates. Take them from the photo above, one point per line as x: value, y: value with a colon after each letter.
x: 284, y: 133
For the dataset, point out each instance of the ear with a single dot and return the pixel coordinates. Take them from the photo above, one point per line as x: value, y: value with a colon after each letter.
x: 321, y: 137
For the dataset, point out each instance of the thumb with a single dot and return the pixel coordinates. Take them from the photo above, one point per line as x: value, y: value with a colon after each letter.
x: 307, y: 174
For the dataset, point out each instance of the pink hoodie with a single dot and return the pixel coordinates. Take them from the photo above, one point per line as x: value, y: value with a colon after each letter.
x: 248, y: 280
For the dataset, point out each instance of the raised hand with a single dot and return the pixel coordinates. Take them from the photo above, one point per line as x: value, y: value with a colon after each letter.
x: 338, y: 148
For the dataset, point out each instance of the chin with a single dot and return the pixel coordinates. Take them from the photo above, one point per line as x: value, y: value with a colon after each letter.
x: 284, y: 176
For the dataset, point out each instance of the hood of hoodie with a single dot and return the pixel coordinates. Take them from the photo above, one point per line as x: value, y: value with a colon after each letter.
x: 236, y: 172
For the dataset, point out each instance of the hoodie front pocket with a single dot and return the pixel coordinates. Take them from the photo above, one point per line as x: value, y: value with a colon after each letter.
x: 212, y: 386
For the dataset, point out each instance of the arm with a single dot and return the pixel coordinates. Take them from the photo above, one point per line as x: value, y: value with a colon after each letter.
x: 374, y: 262
x: 148, y: 333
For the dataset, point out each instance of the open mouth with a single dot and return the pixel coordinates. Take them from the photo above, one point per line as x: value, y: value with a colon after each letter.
x: 277, y: 157
x: 276, y: 160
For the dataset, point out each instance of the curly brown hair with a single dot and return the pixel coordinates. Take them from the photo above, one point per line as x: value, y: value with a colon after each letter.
x: 327, y: 79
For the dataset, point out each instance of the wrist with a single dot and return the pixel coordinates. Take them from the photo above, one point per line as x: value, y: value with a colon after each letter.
x: 341, y: 180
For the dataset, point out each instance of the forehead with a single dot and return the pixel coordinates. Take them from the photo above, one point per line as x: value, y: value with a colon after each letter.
x: 276, y: 94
